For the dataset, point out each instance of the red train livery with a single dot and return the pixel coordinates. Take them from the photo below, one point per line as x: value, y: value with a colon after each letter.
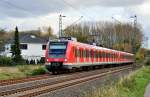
x: 67, y: 54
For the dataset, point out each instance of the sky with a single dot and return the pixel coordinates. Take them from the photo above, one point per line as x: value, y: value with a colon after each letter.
x: 32, y: 14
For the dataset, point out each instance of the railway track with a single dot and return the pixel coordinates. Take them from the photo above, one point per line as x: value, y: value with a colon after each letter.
x: 70, y: 80
x: 21, y: 80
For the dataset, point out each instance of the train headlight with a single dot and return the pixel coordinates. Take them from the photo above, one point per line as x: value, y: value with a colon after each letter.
x: 47, y: 60
x: 65, y: 60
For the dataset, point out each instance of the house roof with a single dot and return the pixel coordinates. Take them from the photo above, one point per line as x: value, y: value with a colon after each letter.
x: 30, y: 38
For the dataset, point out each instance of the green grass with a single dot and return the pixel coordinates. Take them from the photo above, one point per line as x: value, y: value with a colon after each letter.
x: 21, y: 71
x: 131, y: 86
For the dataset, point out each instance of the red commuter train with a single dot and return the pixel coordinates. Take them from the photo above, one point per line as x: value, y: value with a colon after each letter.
x: 67, y: 54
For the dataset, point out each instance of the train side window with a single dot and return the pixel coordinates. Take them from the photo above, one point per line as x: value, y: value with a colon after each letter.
x: 106, y: 55
x: 78, y: 52
x: 94, y: 54
x: 97, y: 54
x: 74, y: 51
x: 90, y: 54
x: 103, y: 54
x: 84, y: 53
x: 87, y: 53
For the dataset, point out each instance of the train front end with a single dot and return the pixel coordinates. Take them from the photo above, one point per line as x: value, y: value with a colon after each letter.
x: 55, y: 55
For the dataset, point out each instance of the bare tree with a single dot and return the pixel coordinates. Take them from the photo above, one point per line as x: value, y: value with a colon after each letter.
x: 107, y: 34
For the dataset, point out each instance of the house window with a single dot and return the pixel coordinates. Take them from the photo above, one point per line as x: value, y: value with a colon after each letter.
x: 43, y: 47
x: 23, y: 46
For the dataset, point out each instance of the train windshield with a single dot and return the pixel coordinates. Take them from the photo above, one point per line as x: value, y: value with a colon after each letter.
x: 57, y: 49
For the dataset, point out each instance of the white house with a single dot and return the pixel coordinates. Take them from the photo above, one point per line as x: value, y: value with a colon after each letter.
x: 31, y: 46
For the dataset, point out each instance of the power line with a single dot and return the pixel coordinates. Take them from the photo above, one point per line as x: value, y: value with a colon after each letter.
x: 71, y: 6
x: 76, y: 21
x: 15, y: 6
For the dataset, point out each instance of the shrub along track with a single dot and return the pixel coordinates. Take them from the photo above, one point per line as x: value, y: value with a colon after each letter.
x: 69, y: 80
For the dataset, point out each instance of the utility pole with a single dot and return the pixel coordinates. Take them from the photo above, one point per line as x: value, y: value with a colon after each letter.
x: 134, y: 34
x: 121, y: 30
x: 60, y: 25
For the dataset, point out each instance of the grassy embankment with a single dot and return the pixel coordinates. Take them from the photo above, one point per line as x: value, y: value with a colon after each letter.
x: 21, y: 71
x: 131, y: 86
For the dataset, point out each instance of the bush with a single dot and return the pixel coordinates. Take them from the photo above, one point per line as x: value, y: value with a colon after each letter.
x: 6, y: 61
x: 42, y: 60
x: 147, y: 61
x: 23, y: 68
x: 38, y: 71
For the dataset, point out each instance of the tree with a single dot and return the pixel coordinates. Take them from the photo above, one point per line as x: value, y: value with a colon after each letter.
x: 48, y: 32
x: 119, y: 36
x: 16, y: 53
x: 2, y: 39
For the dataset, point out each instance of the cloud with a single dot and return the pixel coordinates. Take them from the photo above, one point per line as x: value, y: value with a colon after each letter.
x: 29, y: 8
x: 107, y: 3
x: 32, y: 8
x: 144, y: 8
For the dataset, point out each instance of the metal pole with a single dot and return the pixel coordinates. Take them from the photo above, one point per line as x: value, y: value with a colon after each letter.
x: 134, y: 35
x: 60, y: 25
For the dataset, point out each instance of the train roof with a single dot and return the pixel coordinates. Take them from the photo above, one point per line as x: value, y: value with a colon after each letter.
x: 98, y: 47
x: 91, y: 46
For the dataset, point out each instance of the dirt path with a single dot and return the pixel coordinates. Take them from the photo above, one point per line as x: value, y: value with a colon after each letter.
x: 147, y: 91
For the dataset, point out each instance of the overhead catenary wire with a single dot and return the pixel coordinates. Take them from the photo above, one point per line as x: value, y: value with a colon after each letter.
x: 74, y: 8
x: 15, y: 6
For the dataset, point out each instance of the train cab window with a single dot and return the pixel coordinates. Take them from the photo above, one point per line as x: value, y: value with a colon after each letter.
x: 57, y: 49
